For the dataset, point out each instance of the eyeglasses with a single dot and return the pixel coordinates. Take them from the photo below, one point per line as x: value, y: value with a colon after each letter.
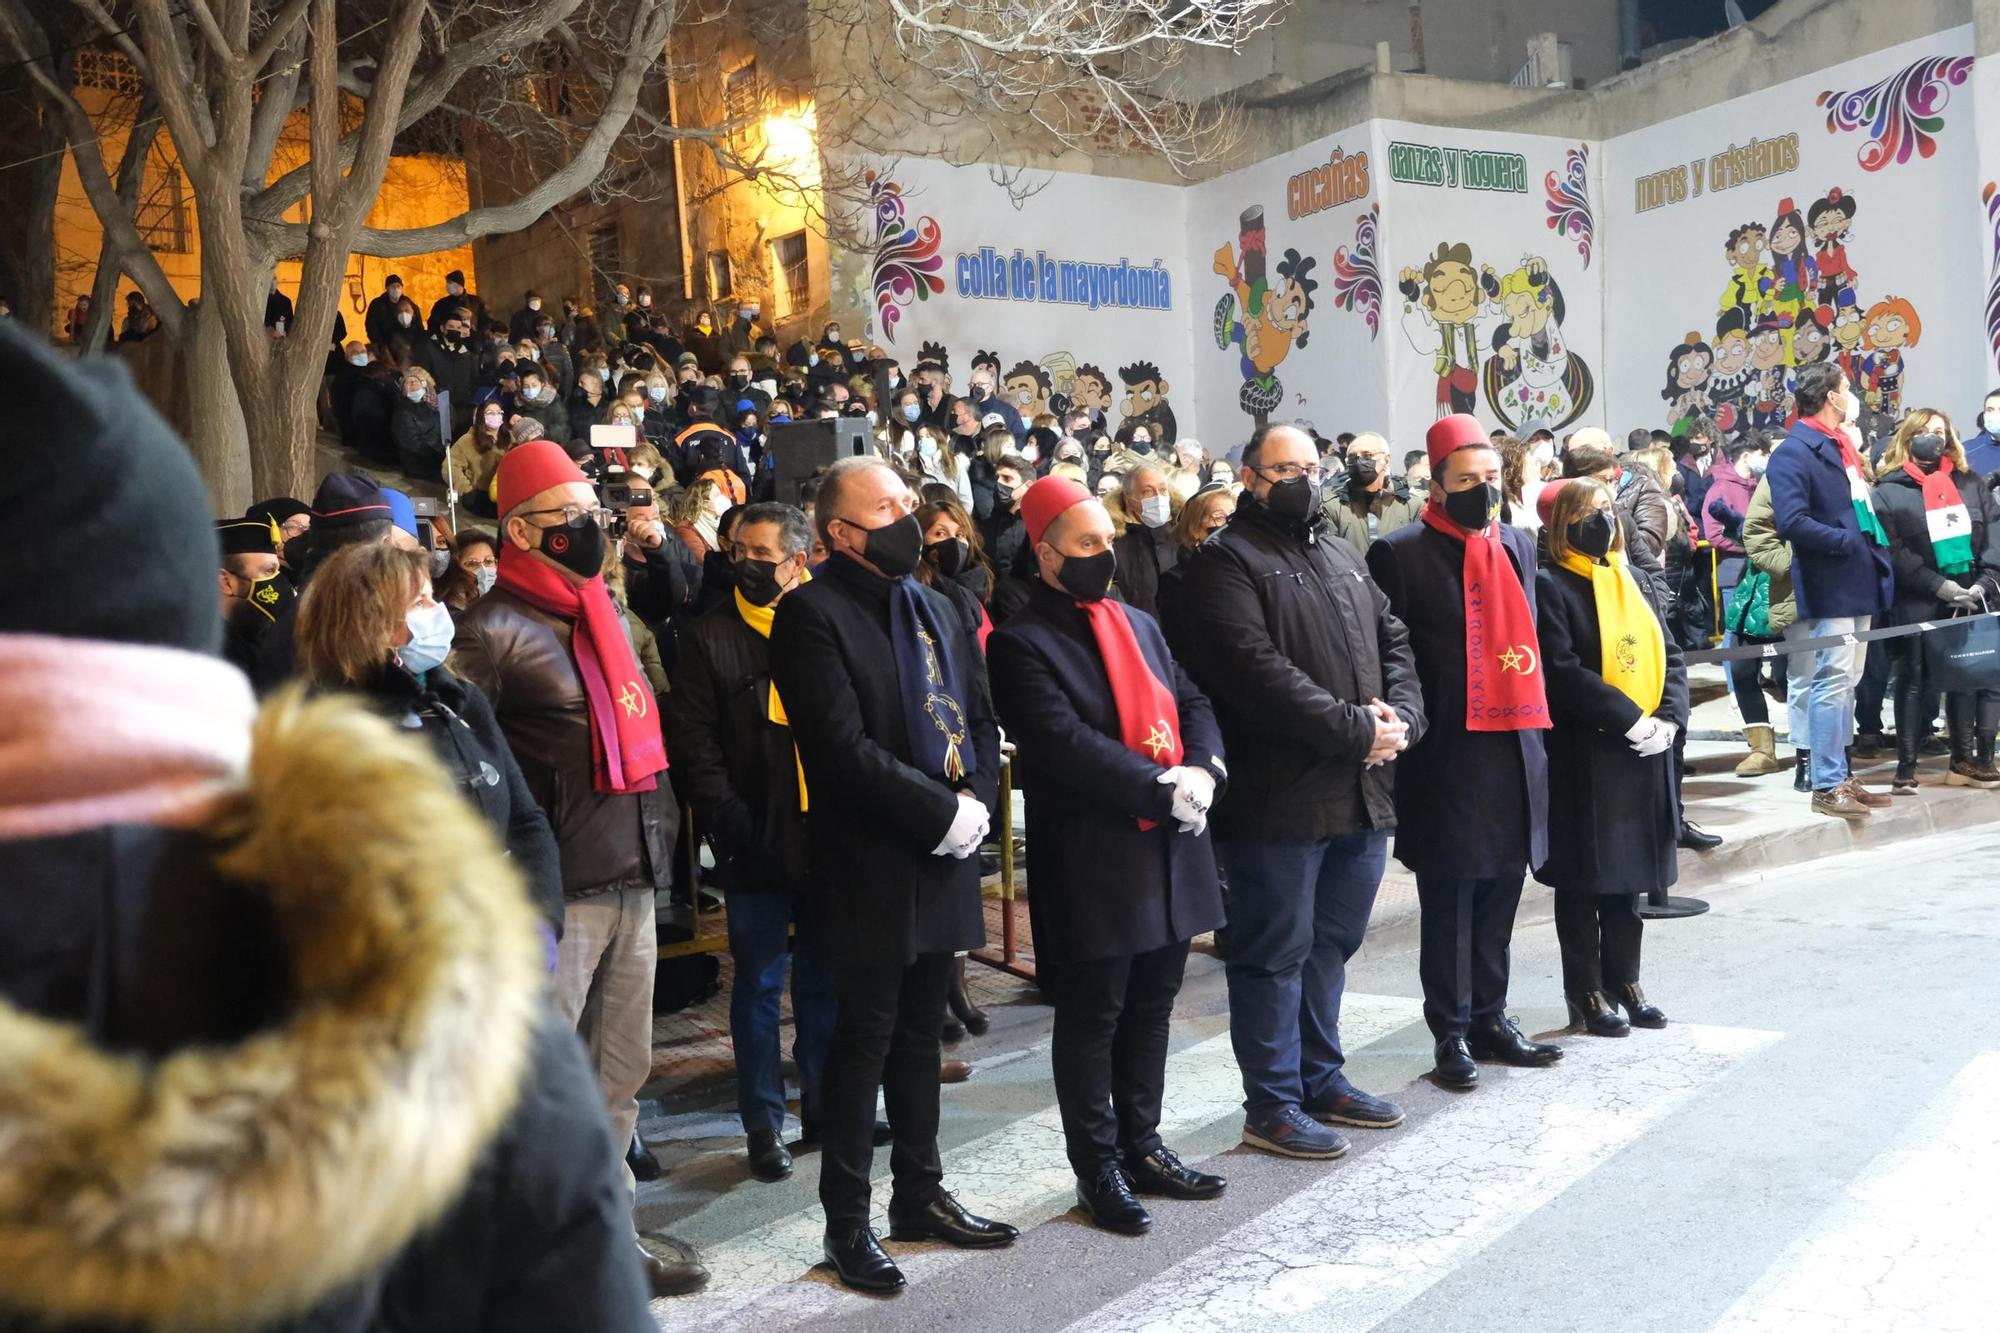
x: 1312, y: 472
x: 571, y: 513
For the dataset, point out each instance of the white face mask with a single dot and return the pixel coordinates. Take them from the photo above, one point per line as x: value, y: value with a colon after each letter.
x: 483, y: 578
x: 1031, y: 453
x: 454, y: 289
x: 534, y: 305
x: 1155, y: 510
x: 430, y: 637
x: 1852, y: 412
x: 719, y: 503
x: 404, y: 318
x: 414, y: 395
x: 1992, y: 423
x: 645, y: 300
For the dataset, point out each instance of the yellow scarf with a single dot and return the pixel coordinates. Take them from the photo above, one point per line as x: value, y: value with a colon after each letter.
x: 1635, y: 652
x: 759, y: 618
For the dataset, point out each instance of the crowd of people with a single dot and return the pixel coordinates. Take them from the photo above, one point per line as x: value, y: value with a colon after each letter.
x: 1223, y: 681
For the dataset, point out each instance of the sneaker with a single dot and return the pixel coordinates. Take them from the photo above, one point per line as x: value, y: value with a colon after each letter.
x: 1839, y: 803
x: 1967, y: 773
x: 1290, y: 1132
x: 1348, y: 1105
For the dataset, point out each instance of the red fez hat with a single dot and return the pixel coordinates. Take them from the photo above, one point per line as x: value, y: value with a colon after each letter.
x: 1545, y: 503
x: 1045, y: 500
x: 529, y: 469
x: 1448, y: 435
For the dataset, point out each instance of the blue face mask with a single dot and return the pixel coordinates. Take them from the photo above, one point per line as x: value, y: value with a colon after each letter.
x: 912, y: 411
x: 657, y: 392
x: 414, y: 395
x: 430, y: 638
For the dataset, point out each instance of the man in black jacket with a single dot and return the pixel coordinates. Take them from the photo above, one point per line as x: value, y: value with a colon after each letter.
x: 452, y: 363
x: 455, y: 297
x: 735, y: 763
x: 1472, y: 795
x: 1120, y: 760
x: 380, y: 319
x: 1147, y: 548
x: 1316, y: 692
x: 887, y: 695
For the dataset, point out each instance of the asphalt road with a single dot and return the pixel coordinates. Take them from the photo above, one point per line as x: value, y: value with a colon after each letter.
x: 1812, y: 1144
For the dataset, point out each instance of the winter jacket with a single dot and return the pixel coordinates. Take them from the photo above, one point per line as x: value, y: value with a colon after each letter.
x: 1768, y: 553
x: 1722, y: 515
x: 413, y: 429
x: 1640, y: 496
x: 1144, y: 557
x: 1899, y: 504
x: 1836, y: 571
x: 472, y: 474
x: 1392, y: 507
x: 521, y: 658
x: 1283, y: 630
x: 384, y: 1126
x: 452, y: 365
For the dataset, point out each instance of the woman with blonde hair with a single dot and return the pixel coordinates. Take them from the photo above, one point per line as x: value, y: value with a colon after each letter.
x: 1617, y: 692
x: 700, y: 508
x: 935, y: 460
x: 368, y: 623
x: 413, y: 426
x: 1944, y: 543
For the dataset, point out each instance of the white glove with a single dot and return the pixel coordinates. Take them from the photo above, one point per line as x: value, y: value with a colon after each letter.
x: 968, y: 829
x: 1651, y: 736
x: 1194, y: 791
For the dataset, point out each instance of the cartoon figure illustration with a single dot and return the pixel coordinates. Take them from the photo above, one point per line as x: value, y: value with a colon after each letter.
x: 1811, y: 339
x: 1533, y: 380
x: 1796, y: 277
x: 936, y: 352
x: 1892, y: 325
x: 1448, y: 312
x: 1261, y: 319
x: 1750, y: 281
x: 1829, y: 219
x: 1093, y: 391
x: 1060, y: 368
x: 1689, y: 365
x: 991, y: 361
x: 1731, y: 374
x: 1027, y: 387
x: 1146, y: 401
x: 1848, y: 324
x: 1771, y: 402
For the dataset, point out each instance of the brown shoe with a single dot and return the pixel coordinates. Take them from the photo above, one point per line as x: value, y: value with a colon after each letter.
x: 1838, y: 802
x: 1873, y: 800
x: 673, y: 1267
x: 954, y: 1071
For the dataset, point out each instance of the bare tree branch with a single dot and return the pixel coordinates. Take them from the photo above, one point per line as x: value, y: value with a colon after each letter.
x: 111, y: 255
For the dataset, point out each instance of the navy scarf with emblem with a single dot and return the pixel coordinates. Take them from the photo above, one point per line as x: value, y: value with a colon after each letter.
x: 932, y: 687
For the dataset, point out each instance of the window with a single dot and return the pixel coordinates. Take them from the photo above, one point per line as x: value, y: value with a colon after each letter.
x: 721, y: 282
x: 742, y: 99
x: 788, y: 273
x: 106, y: 70
x: 162, y: 214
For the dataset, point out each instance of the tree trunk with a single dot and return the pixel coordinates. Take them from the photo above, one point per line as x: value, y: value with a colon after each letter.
x: 35, y: 298
x: 215, y: 429
x: 284, y: 429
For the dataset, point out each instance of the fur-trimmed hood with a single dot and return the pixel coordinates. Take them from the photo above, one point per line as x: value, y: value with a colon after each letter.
x: 231, y: 1186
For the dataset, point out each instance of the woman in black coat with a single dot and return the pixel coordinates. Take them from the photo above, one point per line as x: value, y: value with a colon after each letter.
x: 371, y: 626
x: 1928, y: 588
x: 1612, y: 813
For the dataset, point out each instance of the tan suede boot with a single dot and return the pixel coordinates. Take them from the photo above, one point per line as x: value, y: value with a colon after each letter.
x: 1763, y: 756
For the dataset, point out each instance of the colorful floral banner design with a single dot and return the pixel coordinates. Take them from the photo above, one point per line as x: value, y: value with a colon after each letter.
x: 1902, y: 114
x: 1357, y: 282
x: 907, y: 263
x: 1991, y: 196
x: 1569, y: 200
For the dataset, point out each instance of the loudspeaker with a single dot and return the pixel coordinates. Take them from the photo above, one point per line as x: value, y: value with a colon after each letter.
x: 801, y: 450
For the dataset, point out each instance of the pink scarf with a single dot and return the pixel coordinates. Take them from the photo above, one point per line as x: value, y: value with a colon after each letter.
x: 95, y: 733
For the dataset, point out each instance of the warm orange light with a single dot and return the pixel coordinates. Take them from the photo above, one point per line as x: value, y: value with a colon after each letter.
x: 790, y: 146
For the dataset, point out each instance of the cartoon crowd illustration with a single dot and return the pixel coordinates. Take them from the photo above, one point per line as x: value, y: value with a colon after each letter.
x: 1058, y: 383
x: 1497, y: 333
x: 1793, y: 298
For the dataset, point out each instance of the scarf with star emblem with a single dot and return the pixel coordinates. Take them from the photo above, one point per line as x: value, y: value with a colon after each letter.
x: 1504, y: 687
x: 1149, y: 718
x: 625, y: 746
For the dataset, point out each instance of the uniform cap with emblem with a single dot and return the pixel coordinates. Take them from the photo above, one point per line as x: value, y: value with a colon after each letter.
x: 250, y: 535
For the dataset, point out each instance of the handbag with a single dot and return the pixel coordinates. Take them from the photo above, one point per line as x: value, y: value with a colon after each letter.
x: 1962, y: 655
x: 1750, y: 606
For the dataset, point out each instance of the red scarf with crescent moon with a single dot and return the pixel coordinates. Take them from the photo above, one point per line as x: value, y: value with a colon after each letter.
x: 1149, y: 717
x: 625, y: 744
x: 1504, y: 689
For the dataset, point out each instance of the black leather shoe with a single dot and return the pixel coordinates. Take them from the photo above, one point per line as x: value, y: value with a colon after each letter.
x: 859, y: 1263
x: 1501, y: 1039
x: 1163, y: 1173
x: 673, y: 1267
x: 943, y: 1218
x: 1595, y: 1014
x: 1454, y: 1064
x: 1695, y: 838
x: 1644, y: 1014
x: 768, y: 1158
x: 644, y: 1165
x: 1106, y: 1199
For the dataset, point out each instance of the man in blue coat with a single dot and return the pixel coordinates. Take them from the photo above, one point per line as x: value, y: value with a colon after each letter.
x: 1120, y: 759
x: 1982, y: 451
x: 1841, y: 573
x: 1472, y: 794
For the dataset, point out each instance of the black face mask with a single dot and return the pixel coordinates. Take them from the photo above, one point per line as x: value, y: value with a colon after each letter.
x: 577, y: 547
x: 740, y: 378
x: 1363, y: 471
x: 1293, y: 498
x: 1591, y: 535
x: 1928, y: 451
x: 1473, y: 509
x: 757, y: 580
x: 950, y: 556
x: 894, y: 548
x: 1088, y: 577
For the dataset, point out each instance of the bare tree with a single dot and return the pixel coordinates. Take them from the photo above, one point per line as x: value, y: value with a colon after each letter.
x: 228, y: 76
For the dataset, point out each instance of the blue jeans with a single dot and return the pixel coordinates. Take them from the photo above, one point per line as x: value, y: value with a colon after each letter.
x: 1829, y: 702
x: 1297, y: 913
x: 757, y: 925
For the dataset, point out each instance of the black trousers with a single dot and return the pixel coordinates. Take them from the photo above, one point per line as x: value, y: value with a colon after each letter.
x: 1109, y: 1050
x: 885, y: 1034
x: 1464, y: 931
x: 1599, y: 934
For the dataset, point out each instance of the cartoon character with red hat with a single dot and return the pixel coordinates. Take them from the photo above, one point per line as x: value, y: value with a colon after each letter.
x: 1830, y: 219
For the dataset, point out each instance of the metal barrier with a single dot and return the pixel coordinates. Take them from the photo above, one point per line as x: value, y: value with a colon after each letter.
x: 1009, y: 958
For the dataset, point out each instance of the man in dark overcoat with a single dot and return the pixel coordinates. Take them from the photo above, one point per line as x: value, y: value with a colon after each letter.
x: 1120, y: 759
x: 1472, y: 795
x: 886, y: 692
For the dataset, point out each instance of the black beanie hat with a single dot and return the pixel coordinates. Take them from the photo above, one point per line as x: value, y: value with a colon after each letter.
x: 88, y: 468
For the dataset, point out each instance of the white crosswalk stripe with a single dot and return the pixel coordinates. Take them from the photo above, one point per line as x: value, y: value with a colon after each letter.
x: 1017, y: 1173
x: 1913, y: 1243
x: 1365, y: 1240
